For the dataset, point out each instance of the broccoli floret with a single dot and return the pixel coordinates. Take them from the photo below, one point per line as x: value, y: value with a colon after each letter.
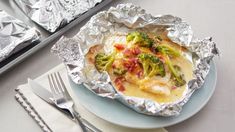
x: 176, y: 75
x: 167, y: 50
x: 151, y: 64
x: 119, y: 71
x: 134, y: 36
x: 140, y: 38
x: 179, y: 79
x: 159, y: 38
x: 103, y: 61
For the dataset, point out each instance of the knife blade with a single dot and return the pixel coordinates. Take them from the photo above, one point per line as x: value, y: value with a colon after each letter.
x: 40, y: 91
x: 45, y: 95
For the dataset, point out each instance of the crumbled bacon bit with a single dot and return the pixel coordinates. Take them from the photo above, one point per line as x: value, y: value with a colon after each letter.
x: 140, y: 73
x: 130, y: 64
x: 127, y: 53
x: 119, y: 80
x: 160, y: 57
x: 119, y: 46
x: 121, y: 88
x: 119, y: 83
x: 113, y: 65
x: 136, y: 51
x: 131, y: 52
x: 153, y: 49
x: 173, y: 87
x: 133, y: 60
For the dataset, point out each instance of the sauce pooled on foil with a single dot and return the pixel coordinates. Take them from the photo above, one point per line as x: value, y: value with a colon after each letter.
x: 144, y: 65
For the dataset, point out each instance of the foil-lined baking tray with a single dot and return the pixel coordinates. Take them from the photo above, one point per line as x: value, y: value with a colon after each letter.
x: 54, y: 14
x: 14, y: 35
x: 46, y: 37
x: 123, y: 19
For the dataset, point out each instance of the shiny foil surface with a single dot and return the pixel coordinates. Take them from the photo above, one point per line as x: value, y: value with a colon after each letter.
x: 54, y: 14
x: 14, y: 35
x: 123, y: 19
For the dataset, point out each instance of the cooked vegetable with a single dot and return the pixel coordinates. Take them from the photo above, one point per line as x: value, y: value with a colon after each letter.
x: 140, y: 38
x: 159, y: 38
x: 119, y: 71
x: 167, y: 50
x: 151, y: 64
x: 118, y: 68
x: 103, y: 61
x: 176, y: 75
x: 178, y: 81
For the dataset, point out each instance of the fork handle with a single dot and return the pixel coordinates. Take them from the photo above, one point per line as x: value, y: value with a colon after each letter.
x: 77, y: 118
x: 88, y: 125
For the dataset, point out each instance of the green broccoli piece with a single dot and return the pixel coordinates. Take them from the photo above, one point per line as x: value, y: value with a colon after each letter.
x: 119, y: 71
x: 177, y: 80
x: 103, y: 61
x: 176, y: 75
x: 151, y: 64
x: 167, y: 50
x: 159, y: 38
x: 134, y: 36
x: 140, y: 38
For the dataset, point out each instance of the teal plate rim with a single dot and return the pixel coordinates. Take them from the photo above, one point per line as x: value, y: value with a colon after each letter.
x: 206, y: 91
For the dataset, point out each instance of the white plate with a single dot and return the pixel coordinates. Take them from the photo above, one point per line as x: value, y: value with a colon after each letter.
x: 115, y: 112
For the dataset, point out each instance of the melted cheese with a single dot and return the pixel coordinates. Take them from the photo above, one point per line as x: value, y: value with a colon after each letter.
x: 157, y: 88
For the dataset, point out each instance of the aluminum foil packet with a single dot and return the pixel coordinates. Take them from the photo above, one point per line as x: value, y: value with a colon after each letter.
x: 14, y: 35
x: 54, y: 14
x: 123, y: 19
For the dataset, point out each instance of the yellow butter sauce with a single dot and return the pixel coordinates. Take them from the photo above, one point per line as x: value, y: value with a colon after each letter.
x: 134, y: 90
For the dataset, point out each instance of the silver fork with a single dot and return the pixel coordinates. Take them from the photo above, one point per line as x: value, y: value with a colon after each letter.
x: 63, y: 100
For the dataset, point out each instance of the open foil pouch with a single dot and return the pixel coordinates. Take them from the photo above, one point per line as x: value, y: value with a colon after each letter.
x: 123, y: 19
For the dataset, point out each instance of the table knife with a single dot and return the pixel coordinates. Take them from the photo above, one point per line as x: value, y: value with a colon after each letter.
x: 45, y: 95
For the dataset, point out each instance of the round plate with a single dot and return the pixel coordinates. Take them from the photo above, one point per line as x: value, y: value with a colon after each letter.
x: 117, y: 113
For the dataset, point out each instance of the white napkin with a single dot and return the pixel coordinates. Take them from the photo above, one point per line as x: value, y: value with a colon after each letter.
x: 50, y: 119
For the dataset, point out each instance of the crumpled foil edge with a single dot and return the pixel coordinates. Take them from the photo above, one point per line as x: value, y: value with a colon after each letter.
x: 54, y: 14
x: 129, y: 16
x: 22, y: 38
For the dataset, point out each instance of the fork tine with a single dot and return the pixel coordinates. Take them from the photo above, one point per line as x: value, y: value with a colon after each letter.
x: 58, y: 82
x: 51, y: 85
x: 55, y: 83
x: 62, y: 84
x: 64, y: 101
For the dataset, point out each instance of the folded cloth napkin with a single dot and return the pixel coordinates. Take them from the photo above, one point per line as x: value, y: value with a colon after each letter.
x: 50, y: 119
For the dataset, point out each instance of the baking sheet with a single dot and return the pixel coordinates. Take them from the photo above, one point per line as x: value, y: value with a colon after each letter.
x: 11, y: 8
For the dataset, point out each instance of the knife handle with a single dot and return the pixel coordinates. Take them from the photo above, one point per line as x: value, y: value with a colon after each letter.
x: 77, y: 119
x: 88, y: 125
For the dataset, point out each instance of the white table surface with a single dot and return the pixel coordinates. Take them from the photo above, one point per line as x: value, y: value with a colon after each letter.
x: 214, y: 18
